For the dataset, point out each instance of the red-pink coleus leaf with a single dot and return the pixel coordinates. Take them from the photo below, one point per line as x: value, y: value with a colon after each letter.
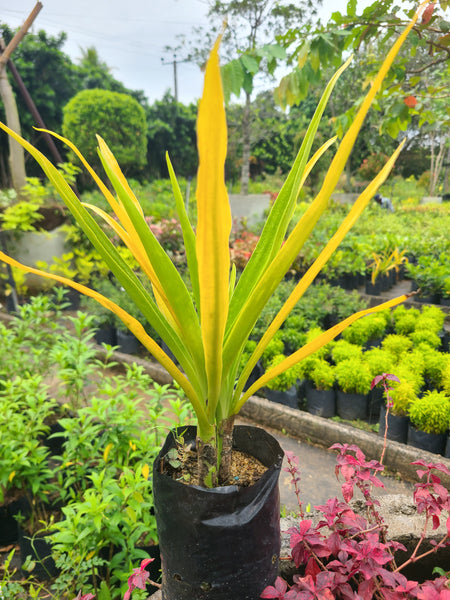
x: 276, y: 591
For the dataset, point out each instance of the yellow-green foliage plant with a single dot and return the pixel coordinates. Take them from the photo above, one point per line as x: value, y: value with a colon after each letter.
x: 207, y: 330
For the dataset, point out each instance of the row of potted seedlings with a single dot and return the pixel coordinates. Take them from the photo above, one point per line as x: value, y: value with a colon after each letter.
x: 336, y: 380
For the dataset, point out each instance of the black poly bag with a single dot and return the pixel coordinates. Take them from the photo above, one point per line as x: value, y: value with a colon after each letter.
x: 221, y: 543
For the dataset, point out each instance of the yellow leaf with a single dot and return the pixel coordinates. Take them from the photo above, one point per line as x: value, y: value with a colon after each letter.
x: 11, y: 476
x: 107, y: 451
x: 213, y: 224
x: 90, y: 555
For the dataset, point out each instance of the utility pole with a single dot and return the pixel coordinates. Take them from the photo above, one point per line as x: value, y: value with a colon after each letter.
x: 175, y: 76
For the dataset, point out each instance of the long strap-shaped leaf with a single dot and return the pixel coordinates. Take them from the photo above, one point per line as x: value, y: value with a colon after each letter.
x: 353, y: 215
x: 312, y: 346
x: 180, y: 303
x: 174, y: 293
x: 253, y: 304
x: 188, y: 233
x: 282, y: 210
x: 213, y: 225
x: 132, y: 324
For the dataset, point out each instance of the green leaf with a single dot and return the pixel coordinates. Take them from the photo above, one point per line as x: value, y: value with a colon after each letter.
x: 351, y: 8
x: 250, y: 63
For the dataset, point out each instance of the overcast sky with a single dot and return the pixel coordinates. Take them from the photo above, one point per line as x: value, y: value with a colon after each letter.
x: 129, y: 35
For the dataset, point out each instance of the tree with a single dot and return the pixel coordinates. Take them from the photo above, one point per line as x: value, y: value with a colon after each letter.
x: 313, y: 50
x: 49, y: 76
x: 120, y: 120
x: 171, y: 128
x: 248, y: 42
x: 94, y: 73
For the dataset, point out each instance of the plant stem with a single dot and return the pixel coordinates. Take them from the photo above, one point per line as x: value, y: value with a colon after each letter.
x: 225, y: 445
x: 207, y: 457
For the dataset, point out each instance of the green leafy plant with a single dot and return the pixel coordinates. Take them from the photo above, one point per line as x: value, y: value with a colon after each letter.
x: 402, y: 395
x: 207, y: 330
x: 353, y: 376
x: 25, y: 470
x: 285, y: 380
x: 344, y: 350
x: 431, y: 412
x: 323, y: 375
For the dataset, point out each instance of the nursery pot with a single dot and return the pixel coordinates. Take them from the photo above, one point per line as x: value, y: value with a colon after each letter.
x: 447, y: 448
x: 220, y: 543
x: 351, y: 406
x: 320, y: 402
x: 9, y: 531
x: 432, y: 442
x: 397, y: 426
x: 127, y: 342
x: 287, y: 397
x: 106, y: 334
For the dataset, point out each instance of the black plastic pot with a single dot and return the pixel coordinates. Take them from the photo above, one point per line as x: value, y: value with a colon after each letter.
x: 9, y: 531
x: 40, y: 550
x: 373, y: 289
x: 320, y: 402
x: 376, y: 401
x: 397, y: 429
x: 106, y: 334
x: 287, y: 398
x: 447, y: 448
x: 127, y: 342
x: 221, y: 543
x: 352, y: 406
x: 432, y: 442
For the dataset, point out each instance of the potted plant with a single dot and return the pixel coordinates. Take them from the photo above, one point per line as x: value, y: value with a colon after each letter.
x: 320, y: 396
x: 207, y: 330
x: 353, y: 379
x: 429, y: 418
x: 396, y: 419
x: 282, y: 388
x: 344, y: 350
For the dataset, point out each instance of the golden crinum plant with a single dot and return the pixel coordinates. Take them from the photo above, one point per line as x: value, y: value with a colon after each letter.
x: 206, y: 328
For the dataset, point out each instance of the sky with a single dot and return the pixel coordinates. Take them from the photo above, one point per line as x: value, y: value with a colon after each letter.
x: 130, y: 36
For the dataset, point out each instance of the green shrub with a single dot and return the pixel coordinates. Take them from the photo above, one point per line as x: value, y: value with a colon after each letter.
x: 119, y: 117
x: 402, y: 395
x: 396, y: 345
x: 274, y: 348
x: 323, y: 375
x: 431, y: 413
x: 285, y: 380
x: 435, y: 364
x: 379, y: 361
x: 353, y: 376
x: 306, y: 367
x: 357, y: 333
x: 293, y: 339
x: 425, y: 336
x: 406, y: 324
x: 343, y: 350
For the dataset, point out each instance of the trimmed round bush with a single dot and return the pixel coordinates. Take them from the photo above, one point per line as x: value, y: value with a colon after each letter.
x: 118, y: 118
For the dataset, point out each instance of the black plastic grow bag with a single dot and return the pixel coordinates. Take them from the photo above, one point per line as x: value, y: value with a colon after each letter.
x: 221, y: 543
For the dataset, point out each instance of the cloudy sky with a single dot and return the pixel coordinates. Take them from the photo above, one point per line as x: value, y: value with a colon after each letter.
x: 130, y: 36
